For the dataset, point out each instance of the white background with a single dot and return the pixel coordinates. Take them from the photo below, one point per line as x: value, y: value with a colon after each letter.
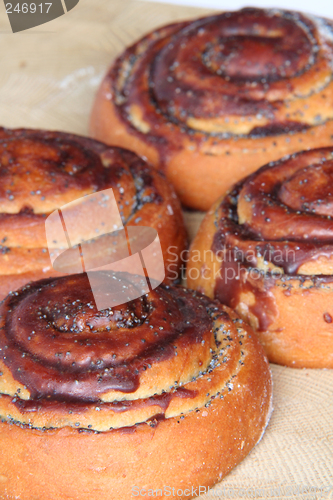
x: 319, y: 7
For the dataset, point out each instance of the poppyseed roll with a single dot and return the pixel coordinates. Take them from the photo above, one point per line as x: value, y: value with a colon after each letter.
x: 266, y: 250
x: 211, y: 100
x: 42, y: 171
x: 95, y: 400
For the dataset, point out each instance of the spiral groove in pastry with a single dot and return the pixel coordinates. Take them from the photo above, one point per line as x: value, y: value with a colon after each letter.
x: 273, y: 251
x: 211, y: 100
x: 42, y: 171
x: 154, y: 355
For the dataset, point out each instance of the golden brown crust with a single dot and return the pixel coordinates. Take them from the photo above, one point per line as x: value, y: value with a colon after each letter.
x: 266, y: 250
x: 206, y: 116
x: 199, y: 428
x: 42, y: 171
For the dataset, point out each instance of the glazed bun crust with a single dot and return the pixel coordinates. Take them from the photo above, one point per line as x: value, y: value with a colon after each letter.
x: 265, y: 249
x: 43, y: 171
x: 132, y: 420
x: 209, y: 101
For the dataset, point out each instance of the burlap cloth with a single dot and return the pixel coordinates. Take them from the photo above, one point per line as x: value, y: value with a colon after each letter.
x: 48, y: 79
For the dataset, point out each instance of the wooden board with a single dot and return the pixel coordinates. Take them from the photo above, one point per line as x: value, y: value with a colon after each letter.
x: 48, y: 79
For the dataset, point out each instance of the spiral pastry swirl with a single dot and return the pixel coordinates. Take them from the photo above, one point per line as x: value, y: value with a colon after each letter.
x: 272, y: 245
x: 137, y: 376
x: 222, y: 95
x: 42, y: 171
x: 130, y: 360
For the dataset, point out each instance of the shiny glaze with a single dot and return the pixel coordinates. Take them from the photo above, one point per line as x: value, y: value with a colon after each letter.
x: 287, y: 212
x: 64, y: 167
x: 235, y: 65
x: 161, y: 400
x: 56, y: 343
x: 279, y: 231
